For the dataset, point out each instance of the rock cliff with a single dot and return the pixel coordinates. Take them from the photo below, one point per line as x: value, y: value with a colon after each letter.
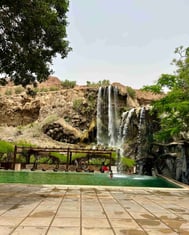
x: 57, y: 117
x: 37, y: 115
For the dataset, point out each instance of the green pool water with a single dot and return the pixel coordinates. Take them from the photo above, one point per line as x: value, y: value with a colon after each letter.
x: 74, y: 178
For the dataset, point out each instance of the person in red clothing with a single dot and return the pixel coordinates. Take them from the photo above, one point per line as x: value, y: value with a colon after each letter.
x: 104, y: 168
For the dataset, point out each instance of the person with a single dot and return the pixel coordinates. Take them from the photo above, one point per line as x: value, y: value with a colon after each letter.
x: 111, y: 174
x: 104, y: 168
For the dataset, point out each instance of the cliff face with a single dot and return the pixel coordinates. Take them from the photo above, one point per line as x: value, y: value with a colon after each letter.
x: 77, y: 108
x: 17, y: 110
x: 62, y: 117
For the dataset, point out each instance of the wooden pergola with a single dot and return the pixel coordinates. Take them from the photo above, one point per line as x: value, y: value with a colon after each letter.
x: 37, y: 151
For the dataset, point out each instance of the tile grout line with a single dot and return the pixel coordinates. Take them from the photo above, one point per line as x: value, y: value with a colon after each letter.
x: 105, y: 211
x: 148, y: 211
x: 154, y: 213
x: 26, y: 216
x: 56, y: 212
x: 128, y: 211
x: 161, y: 219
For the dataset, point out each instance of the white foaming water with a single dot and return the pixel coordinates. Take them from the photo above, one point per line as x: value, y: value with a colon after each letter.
x: 125, y: 122
x: 99, y: 116
x: 107, y: 118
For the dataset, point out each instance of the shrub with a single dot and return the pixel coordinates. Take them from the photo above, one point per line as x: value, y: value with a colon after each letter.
x: 53, y: 88
x: 127, y: 162
x: 61, y: 157
x: 18, y: 90
x: 23, y: 143
x: 44, y: 89
x: 131, y: 92
x: 99, y: 83
x: 77, y: 104
x: 31, y: 92
x: 68, y: 84
x: 8, y: 92
x: 6, y: 147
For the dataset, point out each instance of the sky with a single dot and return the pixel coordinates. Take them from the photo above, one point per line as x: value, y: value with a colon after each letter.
x: 127, y: 41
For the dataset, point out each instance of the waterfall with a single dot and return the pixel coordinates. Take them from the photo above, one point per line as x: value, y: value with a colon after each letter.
x: 113, y: 132
x: 107, y: 118
x: 130, y: 134
x: 99, y: 116
x: 140, y: 137
x: 112, y: 115
x: 124, y: 126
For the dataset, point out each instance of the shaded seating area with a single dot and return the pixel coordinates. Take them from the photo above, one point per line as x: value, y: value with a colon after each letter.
x: 78, y: 164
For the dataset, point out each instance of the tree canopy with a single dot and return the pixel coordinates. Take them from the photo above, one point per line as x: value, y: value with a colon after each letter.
x: 173, y: 108
x: 32, y: 33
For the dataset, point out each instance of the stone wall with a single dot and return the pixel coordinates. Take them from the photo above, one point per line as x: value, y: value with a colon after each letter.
x: 172, y: 160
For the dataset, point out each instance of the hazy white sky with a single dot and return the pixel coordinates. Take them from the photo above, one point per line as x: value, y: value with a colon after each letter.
x: 126, y: 41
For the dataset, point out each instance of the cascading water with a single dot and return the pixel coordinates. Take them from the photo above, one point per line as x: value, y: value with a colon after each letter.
x: 130, y: 134
x: 99, y: 116
x: 107, y: 120
x: 124, y: 126
x: 111, y: 116
x: 141, y: 133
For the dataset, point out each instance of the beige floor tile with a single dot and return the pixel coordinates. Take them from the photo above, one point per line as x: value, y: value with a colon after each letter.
x: 30, y: 231
x: 97, y: 231
x: 121, y: 231
x: 93, y: 214
x: 66, y: 222
x: 6, y: 230
x: 142, y: 215
x: 125, y: 211
x: 95, y: 223
x: 151, y: 224
x: 37, y: 221
x: 183, y: 232
x: 68, y: 213
x: 64, y: 231
x: 161, y: 232
x: 10, y: 221
x: 124, y: 223
x: 118, y: 215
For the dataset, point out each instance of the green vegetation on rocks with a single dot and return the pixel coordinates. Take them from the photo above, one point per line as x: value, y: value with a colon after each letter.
x: 131, y: 92
x: 68, y: 84
x: 173, y: 109
x: 6, y: 147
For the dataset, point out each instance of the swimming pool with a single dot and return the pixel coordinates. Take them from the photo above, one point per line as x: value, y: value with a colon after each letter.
x: 75, y: 178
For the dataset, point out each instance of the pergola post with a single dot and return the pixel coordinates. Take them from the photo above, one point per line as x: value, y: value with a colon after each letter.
x: 68, y: 156
x: 14, y: 161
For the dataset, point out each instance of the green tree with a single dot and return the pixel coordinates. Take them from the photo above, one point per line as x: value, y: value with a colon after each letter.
x: 173, y: 108
x: 32, y: 32
x: 99, y: 83
x: 68, y: 84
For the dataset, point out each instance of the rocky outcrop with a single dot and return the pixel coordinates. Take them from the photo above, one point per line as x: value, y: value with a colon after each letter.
x: 51, y: 82
x: 146, y: 97
x: 62, y: 131
x: 18, y: 110
x: 172, y: 160
x: 76, y: 106
x: 136, y: 136
x: 70, y: 116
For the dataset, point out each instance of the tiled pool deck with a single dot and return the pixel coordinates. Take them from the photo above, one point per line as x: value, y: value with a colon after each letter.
x: 80, y: 210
